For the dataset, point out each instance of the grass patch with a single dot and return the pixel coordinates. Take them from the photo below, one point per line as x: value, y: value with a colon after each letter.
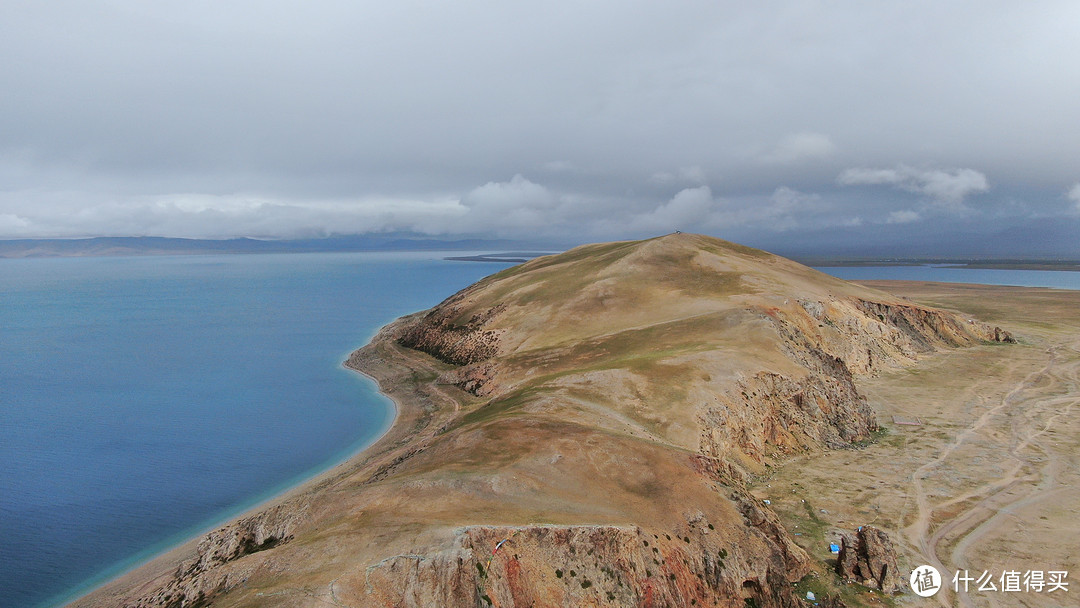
x: 499, y: 407
x: 722, y: 247
x: 853, y: 595
x: 553, y: 278
x: 813, y: 526
x: 875, y: 437
x: 562, y: 278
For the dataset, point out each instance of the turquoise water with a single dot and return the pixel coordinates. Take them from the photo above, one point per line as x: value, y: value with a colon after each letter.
x: 145, y: 399
x: 1059, y: 279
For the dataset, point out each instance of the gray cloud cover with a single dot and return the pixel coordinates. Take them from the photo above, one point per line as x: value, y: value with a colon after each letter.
x: 755, y: 121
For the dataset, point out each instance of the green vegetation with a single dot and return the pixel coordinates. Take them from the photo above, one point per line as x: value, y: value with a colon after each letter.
x: 811, y: 526
x: 549, y: 277
x: 498, y: 407
x: 875, y: 437
x: 814, y: 584
x: 722, y: 247
x: 561, y: 279
x: 853, y: 595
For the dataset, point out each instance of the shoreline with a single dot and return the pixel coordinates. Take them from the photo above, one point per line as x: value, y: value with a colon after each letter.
x: 143, y: 574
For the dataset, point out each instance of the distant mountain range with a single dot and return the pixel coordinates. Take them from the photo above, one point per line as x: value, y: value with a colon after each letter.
x: 151, y: 245
x: 1001, y: 243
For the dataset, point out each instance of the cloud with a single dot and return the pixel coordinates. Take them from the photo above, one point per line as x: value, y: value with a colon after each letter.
x: 342, y: 116
x: 1074, y: 195
x: 787, y: 199
x: 800, y: 147
x: 904, y: 216
x: 790, y: 209
x: 693, y: 174
x: 698, y: 209
x: 75, y: 214
x: 784, y: 211
x: 518, y: 207
x: 517, y: 194
x: 558, y: 166
x: 945, y: 188
x: 687, y: 210
x: 12, y: 225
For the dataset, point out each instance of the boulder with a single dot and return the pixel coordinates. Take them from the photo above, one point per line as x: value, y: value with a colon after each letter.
x: 869, y: 559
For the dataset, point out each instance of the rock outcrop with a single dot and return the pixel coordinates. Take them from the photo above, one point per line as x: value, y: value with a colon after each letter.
x: 608, y: 566
x: 199, y: 579
x: 443, y: 334
x: 869, y: 559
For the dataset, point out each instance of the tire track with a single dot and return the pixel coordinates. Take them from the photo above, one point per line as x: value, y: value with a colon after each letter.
x: 919, y: 531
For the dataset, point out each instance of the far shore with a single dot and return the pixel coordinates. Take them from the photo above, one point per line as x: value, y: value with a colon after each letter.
x: 1057, y: 265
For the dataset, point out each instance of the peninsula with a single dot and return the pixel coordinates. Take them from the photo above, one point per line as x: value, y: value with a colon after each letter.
x: 606, y: 426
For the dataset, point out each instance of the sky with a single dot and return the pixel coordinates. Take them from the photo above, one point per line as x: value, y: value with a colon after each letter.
x: 941, y: 127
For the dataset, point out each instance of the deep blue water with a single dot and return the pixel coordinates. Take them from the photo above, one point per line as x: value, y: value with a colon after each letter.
x: 145, y: 399
x: 1061, y: 279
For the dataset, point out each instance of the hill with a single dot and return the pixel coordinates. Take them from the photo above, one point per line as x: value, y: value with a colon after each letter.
x: 578, y: 430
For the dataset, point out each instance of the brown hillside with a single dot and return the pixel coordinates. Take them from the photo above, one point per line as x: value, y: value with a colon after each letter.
x: 687, y: 340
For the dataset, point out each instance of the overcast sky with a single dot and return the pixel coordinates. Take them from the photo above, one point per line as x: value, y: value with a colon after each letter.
x: 868, y: 122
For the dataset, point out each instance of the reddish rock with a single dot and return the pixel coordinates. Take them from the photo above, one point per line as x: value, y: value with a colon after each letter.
x: 870, y: 559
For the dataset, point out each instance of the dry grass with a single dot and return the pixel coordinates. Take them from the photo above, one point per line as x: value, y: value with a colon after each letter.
x: 995, y: 461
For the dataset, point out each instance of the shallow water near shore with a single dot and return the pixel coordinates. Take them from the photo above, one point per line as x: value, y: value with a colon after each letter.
x: 145, y: 399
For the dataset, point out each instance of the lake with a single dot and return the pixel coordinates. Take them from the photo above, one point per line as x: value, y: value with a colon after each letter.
x: 146, y: 399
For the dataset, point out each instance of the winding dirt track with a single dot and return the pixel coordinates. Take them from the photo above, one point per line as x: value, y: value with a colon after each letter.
x: 1031, y: 470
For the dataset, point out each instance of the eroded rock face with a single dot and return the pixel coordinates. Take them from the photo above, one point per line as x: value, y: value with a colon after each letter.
x: 869, y: 559
x: 922, y: 326
x: 199, y: 579
x: 478, y: 378
x: 832, y: 341
x: 571, y: 566
x: 772, y: 412
x: 442, y: 335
